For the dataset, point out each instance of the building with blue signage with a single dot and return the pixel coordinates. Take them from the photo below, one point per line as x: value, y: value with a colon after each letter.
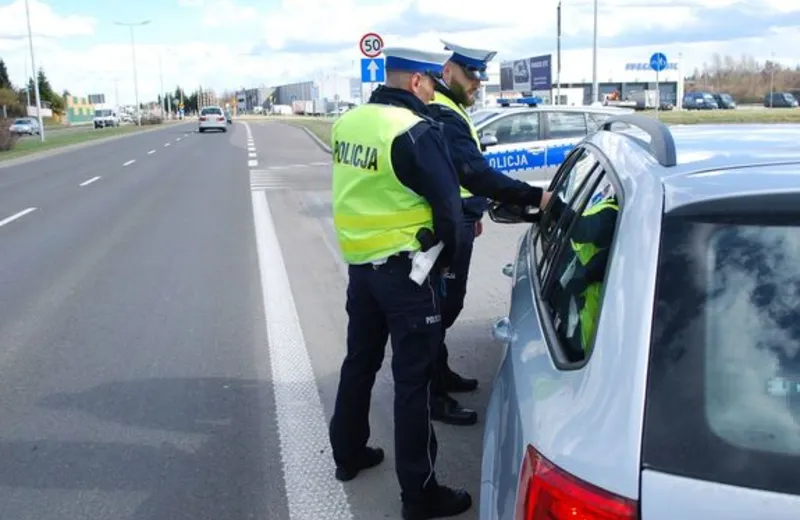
x: 620, y: 80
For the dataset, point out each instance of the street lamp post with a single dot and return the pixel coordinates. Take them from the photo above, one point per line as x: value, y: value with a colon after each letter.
x: 131, y: 25
x: 772, y: 80
x: 35, y: 75
x: 595, y: 86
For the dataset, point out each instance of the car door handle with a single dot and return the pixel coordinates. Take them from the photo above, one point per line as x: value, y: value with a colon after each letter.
x: 536, y: 149
x: 501, y: 330
x: 508, y: 270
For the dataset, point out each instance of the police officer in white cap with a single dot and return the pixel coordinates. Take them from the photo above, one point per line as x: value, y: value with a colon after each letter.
x: 456, y: 90
x: 395, y: 193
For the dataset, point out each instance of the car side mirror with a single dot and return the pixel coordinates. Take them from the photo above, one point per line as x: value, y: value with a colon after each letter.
x: 513, y: 213
x: 487, y: 141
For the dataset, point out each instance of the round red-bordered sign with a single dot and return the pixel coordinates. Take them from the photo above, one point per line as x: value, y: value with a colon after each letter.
x: 371, y: 45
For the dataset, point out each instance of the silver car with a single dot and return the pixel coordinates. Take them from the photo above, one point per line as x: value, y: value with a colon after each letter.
x: 686, y: 404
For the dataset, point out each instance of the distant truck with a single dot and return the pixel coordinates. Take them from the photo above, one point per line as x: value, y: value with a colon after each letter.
x: 105, y: 116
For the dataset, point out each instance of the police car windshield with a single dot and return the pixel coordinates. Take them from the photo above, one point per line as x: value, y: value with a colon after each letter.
x: 480, y: 116
x: 724, y: 382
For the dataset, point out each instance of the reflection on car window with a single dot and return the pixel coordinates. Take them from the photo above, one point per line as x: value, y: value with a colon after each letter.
x: 564, y: 125
x: 566, y: 189
x: 516, y: 128
x: 753, y: 337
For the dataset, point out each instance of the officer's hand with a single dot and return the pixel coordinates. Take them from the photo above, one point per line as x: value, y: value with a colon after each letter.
x: 478, y: 228
x: 545, y: 199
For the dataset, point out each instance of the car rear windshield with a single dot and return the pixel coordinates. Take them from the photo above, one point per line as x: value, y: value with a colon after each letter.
x: 723, y: 390
x: 211, y: 111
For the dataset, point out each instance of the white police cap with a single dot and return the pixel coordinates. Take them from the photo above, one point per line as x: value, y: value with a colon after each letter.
x: 414, y: 60
x: 473, y: 61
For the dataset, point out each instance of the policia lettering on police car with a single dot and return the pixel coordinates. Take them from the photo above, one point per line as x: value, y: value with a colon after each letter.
x: 355, y: 154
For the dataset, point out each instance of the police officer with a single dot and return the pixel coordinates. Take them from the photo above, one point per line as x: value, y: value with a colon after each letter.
x: 393, y: 185
x: 461, y: 79
x: 581, y: 282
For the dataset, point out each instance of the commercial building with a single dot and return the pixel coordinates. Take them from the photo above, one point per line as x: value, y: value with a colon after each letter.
x: 620, y: 80
x: 323, y: 93
x: 79, y: 110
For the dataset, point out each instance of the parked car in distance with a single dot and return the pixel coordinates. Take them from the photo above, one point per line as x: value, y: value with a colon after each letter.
x: 681, y: 401
x: 780, y: 100
x: 699, y: 101
x: 211, y: 118
x: 724, y: 101
x: 25, y: 125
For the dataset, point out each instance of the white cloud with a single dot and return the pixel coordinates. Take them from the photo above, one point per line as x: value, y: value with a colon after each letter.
x: 44, y: 22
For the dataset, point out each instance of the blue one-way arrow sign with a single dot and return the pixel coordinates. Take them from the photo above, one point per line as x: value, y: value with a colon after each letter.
x: 373, y: 70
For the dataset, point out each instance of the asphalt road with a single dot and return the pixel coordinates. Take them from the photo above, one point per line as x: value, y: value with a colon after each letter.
x: 171, y: 331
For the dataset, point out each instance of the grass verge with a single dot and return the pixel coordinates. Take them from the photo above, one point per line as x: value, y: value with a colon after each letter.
x: 743, y: 115
x: 31, y: 145
x: 319, y: 127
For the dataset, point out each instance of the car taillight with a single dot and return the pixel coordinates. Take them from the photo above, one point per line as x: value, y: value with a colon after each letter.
x: 220, y: 118
x: 202, y: 118
x: 549, y: 493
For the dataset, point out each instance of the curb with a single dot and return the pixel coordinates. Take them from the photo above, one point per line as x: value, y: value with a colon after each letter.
x: 77, y: 146
x: 325, y: 147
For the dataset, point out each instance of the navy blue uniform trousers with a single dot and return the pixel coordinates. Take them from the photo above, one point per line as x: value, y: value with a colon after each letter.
x: 383, y: 303
x: 453, y: 294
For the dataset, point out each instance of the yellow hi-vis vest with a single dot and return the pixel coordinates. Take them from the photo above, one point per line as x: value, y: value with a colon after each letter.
x: 374, y: 214
x: 441, y: 99
x: 585, y: 251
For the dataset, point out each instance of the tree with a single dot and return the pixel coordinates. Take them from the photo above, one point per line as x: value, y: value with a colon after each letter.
x: 746, y: 79
x: 5, y: 81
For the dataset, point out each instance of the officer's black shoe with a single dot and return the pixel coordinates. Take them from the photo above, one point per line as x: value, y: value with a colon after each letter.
x: 455, y: 383
x: 369, y: 458
x: 447, y: 410
x: 443, y: 502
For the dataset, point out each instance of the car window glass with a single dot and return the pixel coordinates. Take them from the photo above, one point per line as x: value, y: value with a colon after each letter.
x: 207, y: 111
x: 575, y: 292
x: 515, y: 128
x: 569, y: 188
x: 564, y: 125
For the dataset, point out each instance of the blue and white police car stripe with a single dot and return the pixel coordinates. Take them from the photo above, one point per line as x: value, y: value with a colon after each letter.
x: 521, y: 159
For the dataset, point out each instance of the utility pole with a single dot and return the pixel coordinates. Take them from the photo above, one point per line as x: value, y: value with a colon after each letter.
x: 161, y: 78
x: 558, y: 55
x: 772, y: 80
x: 35, y: 75
x: 595, y: 86
x: 133, y: 54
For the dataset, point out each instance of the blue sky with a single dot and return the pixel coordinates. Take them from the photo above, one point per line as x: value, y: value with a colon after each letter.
x: 230, y: 43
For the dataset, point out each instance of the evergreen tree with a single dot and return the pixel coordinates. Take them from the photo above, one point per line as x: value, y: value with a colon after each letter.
x: 5, y: 81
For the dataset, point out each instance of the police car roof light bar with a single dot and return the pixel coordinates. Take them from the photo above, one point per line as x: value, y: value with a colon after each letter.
x: 529, y: 101
x: 661, y: 144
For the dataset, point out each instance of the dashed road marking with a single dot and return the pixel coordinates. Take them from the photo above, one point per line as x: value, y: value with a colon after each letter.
x: 93, y: 179
x: 166, y: 144
x: 15, y: 216
x: 129, y: 162
x: 151, y: 152
x: 252, y: 163
x: 252, y: 155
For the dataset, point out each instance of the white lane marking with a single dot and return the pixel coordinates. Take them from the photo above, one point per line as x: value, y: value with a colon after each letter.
x: 15, y: 216
x: 308, y: 467
x: 289, y: 166
x: 129, y: 162
x: 166, y: 144
x: 252, y: 154
x: 93, y: 179
x: 151, y: 152
x: 252, y: 162
x: 251, y: 149
x: 177, y: 138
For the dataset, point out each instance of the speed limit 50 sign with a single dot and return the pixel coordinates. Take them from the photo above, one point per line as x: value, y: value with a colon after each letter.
x: 371, y: 45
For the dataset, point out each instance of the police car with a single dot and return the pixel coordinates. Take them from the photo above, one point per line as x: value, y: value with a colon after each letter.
x: 528, y: 141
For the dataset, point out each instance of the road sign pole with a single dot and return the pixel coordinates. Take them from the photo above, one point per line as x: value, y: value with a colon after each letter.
x: 658, y: 96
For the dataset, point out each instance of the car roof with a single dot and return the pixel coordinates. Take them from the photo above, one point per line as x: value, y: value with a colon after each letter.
x: 722, y: 161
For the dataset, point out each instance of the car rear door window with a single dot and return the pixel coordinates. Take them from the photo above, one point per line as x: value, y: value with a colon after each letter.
x: 514, y: 128
x: 566, y: 125
x: 723, y: 394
